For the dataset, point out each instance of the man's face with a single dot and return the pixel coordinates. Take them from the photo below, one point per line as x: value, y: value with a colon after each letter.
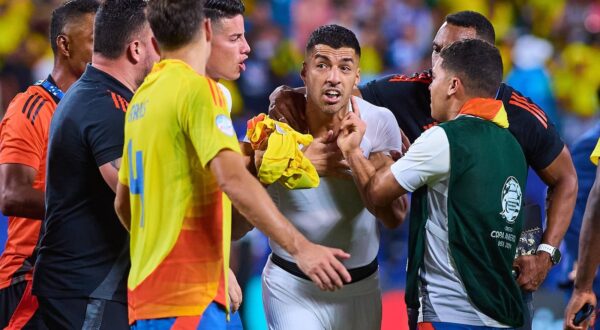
x: 148, y: 53
x: 80, y: 37
x: 438, y: 88
x: 448, y: 34
x: 229, y: 49
x: 329, y: 76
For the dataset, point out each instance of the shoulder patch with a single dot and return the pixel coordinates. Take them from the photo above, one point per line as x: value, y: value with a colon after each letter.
x: 225, y: 125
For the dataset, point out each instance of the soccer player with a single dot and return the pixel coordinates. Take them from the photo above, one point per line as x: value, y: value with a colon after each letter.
x: 408, y: 98
x: 23, y: 142
x: 229, y: 50
x: 180, y: 155
x: 81, y: 272
x: 333, y: 213
x: 589, y: 256
x: 467, y: 176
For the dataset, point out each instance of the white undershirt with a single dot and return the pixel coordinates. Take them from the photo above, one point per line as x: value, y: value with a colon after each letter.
x: 333, y: 213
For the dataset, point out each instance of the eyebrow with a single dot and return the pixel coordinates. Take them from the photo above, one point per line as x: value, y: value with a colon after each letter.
x: 344, y: 59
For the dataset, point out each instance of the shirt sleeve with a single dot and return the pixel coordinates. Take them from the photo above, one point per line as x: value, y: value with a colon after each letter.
x: 388, y: 133
x: 104, y: 132
x: 595, y: 154
x: 532, y: 128
x: 427, y: 161
x: 207, y: 123
x: 22, y: 140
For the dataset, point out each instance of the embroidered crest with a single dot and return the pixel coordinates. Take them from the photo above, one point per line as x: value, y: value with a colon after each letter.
x: 511, y: 200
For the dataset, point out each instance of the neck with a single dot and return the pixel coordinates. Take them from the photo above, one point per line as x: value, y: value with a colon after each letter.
x: 63, y: 76
x: 320, y: 123
x: 193, y: 54
x: 118, y: 68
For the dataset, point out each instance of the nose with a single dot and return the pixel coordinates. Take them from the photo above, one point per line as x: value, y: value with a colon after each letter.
x: 245, y: 46
x: 334, y: 76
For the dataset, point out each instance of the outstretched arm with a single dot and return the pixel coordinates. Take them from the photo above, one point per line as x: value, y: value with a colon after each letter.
x: 589, y: 259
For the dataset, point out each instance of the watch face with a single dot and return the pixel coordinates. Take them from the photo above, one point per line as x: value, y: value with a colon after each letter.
x: 556, y: 256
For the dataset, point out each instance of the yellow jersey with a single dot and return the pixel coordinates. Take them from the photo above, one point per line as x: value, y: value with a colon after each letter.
x: 595, y: 154
x: 176, y: 123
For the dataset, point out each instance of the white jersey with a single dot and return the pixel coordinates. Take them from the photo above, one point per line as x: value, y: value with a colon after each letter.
x: 333, y: 214
x: 443, y: 295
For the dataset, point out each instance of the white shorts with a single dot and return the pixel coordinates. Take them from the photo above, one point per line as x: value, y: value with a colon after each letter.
x: 293, y: 303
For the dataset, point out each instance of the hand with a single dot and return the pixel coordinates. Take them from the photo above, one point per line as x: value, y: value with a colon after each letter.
x: 322, y: 266
x: 258, y: 157
x: 352, y: 130
x: 532, y: 270
x: 326, y: 157
x: 287, y: 105
x: 578, y: 299
x: 235, y: 292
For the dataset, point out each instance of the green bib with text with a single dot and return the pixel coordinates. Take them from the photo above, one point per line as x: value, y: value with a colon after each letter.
x: 488, y: 172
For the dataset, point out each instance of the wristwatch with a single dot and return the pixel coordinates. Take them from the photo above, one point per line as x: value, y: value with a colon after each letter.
x: 554, y: 252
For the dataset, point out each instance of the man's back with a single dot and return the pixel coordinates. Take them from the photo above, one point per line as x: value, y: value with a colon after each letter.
x: 82, y: 237
x: 408, y: 98
x: 180, y: 220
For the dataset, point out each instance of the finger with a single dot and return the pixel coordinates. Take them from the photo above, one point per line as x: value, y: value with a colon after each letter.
x: 355, y: 108
x: 335, y: 278
x: 325, y: 279
x: 395, y: 154
x: 317, y: 280
x: 338, y: 266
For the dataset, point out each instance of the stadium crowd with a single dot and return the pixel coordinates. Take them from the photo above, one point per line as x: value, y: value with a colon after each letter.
x: 549, y: 51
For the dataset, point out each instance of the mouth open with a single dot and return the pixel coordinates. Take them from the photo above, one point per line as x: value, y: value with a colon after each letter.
x: 332, y: 96
x: 242, y: 66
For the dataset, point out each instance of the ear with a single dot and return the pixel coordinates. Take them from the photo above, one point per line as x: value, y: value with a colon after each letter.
x: 303, y: 72
x: 357, y: 79
x: 454, y: 85
x: 208, y: 30
x: 134, y: 51
x: 62, y: 45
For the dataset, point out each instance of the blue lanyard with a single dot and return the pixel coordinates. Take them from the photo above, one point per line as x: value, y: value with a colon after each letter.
x: 51, y: 88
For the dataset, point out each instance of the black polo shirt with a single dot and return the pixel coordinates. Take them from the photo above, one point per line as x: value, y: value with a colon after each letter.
x: 84, y: 250
x: 409, y: 100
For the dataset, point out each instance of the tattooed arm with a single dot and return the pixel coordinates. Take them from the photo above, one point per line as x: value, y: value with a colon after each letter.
x: 110, y: 173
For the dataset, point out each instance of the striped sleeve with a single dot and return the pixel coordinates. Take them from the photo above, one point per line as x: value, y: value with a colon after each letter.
x: 23, y: 131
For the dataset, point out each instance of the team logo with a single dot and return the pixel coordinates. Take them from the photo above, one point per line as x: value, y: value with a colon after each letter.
x: 511, y: 200
x: 225, y: 125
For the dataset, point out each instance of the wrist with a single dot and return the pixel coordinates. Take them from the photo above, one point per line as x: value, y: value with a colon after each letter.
x: 351, y: 153
x: 298, y: 244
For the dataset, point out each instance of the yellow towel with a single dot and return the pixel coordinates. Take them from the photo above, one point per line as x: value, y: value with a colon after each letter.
x: 283, y: 160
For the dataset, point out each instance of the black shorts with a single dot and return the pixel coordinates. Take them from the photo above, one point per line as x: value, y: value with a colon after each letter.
x: 19, y: 308
x: 78, y: 313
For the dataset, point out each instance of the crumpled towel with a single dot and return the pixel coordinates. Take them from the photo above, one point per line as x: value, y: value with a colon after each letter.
x: 283, y: 160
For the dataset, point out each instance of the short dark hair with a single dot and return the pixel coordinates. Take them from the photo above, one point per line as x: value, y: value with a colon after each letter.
x: 218, y: 9
x: 69, y: 12
x: 175, y: 23
x: 117, y: 22
x: 470, y: 19
x: 477, y: 63
x: 334, y: 36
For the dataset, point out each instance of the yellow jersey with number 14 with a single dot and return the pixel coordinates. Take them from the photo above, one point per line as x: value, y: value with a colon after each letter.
x: 176, y: 124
